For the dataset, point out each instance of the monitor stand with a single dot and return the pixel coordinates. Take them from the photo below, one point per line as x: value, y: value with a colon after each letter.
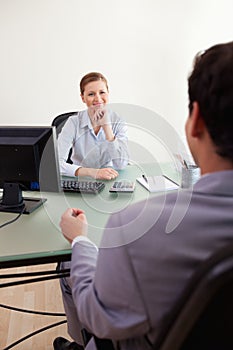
x: 13, y: 201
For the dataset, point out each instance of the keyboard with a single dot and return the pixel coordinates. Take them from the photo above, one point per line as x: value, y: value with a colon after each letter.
x: 82, y: 186
x: 123, y: 186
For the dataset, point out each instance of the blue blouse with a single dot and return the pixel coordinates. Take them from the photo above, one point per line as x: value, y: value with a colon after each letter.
x: 90, y: 150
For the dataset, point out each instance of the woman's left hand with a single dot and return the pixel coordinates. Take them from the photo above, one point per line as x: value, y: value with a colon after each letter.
x: 100, y: 117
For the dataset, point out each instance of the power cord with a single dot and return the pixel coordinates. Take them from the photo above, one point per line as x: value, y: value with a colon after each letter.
x: 13, y: 220
x: 34, y: 333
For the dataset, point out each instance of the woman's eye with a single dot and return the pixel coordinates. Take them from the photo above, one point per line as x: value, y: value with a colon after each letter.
x: 90, y: 94
x: 102, y: 92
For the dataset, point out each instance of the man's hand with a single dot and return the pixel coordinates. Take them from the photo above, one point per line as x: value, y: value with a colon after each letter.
x: 73, y: 223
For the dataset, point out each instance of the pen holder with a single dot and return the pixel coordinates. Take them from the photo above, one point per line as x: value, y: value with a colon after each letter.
x: 189, y: 176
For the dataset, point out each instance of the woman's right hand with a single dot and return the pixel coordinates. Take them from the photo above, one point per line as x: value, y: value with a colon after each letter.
x: 98, y: 174
x: 105, y: 174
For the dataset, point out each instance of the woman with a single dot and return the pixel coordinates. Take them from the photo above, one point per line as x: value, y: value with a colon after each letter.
x: 98, y: 136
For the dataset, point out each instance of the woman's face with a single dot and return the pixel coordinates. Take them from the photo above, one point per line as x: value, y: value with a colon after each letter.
x: 95, y: 94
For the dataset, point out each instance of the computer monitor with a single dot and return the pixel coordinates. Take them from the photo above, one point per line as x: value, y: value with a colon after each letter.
x: 28, y: 161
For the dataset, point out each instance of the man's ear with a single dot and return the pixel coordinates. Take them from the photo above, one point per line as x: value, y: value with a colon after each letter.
x: 197, y: 123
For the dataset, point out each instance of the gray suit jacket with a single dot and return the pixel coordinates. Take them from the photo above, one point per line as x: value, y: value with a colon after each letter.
x: 149, y: 252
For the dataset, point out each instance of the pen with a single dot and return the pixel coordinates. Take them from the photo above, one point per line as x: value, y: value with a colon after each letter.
x: 185, y: 164
x: 144, y: 177
x: 168, y: 178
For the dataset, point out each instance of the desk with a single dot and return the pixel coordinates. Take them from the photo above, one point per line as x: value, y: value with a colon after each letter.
x: 37, y: 238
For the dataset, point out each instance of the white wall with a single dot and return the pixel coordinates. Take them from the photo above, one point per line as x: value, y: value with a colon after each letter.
x: 145, y: 49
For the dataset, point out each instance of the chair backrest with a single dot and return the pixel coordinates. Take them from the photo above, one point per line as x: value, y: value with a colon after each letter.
x: 203, y: 317
x: 58, y: 122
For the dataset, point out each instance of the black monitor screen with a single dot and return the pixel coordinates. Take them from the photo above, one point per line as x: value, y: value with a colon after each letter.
x: 28, y: 161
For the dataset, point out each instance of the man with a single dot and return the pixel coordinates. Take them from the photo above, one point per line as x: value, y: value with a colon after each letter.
x: 125, y: 292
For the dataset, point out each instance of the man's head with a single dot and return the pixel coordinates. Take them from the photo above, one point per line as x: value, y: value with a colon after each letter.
x: 211, y: 89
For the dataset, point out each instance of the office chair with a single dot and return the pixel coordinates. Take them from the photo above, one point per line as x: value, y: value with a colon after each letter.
x: 202, y: 319
x: 58, y: 122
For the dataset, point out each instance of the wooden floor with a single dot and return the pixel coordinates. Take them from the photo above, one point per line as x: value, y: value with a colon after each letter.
x: 40, y: 296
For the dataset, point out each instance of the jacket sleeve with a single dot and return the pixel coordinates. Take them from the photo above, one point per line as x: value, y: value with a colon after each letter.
x: 105, y: 291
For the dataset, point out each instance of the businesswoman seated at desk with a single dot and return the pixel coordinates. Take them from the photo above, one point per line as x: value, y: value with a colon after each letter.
x: 97, y: 135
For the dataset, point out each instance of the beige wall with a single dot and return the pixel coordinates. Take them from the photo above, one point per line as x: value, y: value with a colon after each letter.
x: 145, y: 48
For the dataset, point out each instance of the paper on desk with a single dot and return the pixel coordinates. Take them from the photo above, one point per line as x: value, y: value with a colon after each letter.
x: 158, y: 183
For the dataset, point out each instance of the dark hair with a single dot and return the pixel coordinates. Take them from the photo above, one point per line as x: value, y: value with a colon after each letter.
x: 93, y: 76
x: 211, y: 85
